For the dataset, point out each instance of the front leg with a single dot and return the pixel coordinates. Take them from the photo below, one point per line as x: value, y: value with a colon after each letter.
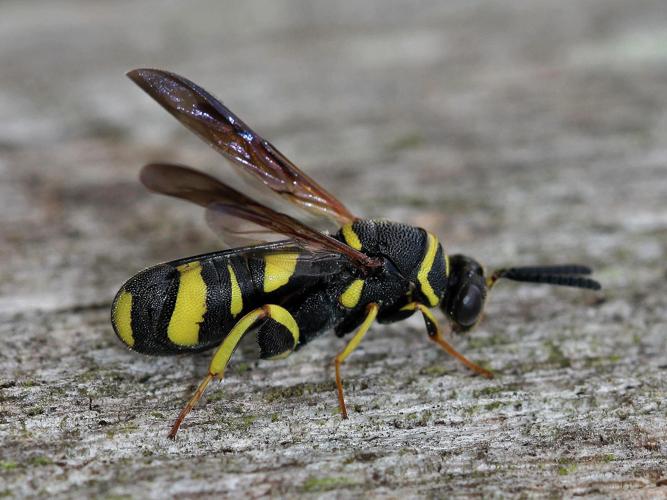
x: 435, y: 334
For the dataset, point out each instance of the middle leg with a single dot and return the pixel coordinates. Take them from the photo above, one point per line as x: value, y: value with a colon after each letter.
x: 371, y: 313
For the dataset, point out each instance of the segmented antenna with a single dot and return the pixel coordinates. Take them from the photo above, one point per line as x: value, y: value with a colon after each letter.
x: 560, y: 269
x: 563, y: 275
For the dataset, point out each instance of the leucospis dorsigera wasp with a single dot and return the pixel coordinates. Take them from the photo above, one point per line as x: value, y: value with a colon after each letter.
x: 295, y: 289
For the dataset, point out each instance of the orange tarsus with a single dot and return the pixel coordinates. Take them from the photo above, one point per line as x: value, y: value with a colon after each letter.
x: 191, y: 404
x: 339, y: 385
x: 453, y: 352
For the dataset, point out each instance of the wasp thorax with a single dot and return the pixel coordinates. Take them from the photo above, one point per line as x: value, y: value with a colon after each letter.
x: 466, y: 292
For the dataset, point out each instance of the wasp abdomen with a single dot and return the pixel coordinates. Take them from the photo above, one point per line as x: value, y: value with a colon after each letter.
x: 191, y: 304
x: 181, y: 306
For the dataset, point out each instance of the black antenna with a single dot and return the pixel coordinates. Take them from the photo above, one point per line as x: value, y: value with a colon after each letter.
x: 560, y: 269
x: 562, y: 275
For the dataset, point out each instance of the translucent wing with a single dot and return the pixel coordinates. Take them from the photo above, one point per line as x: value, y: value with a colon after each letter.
x: 309, y: 263
x: 224, y: 201
x: 207, y: 117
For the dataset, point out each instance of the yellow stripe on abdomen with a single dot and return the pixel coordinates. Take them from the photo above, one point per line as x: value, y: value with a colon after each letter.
x: 190, y: 306
x: 278, y: 269
x: 425, y: 268
x: 236, y: 305
x: 122, y: 317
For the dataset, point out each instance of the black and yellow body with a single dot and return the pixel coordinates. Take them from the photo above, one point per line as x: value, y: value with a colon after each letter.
x: 192, y: 304
x: 294, y: 290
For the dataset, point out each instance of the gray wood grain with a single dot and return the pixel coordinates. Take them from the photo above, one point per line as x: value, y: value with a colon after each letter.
x: 520, y: 132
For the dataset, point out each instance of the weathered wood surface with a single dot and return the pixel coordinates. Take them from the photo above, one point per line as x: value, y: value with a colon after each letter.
x: 519, y: 131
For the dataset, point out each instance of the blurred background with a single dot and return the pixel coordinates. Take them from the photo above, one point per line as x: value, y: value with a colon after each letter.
x: 492, y: 124
x: 520, y: 132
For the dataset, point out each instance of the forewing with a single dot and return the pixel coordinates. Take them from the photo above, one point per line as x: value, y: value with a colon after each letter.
x: 206, y: 116
x: 310, y: 263
x: 223, y: 201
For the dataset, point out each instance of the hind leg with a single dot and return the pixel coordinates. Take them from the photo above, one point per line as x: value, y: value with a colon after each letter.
x: 280, y: 340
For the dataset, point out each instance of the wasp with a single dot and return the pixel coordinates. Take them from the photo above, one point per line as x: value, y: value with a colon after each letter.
x: 292, y: 290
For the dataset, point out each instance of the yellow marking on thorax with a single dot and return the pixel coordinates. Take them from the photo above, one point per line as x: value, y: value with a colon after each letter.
x: 190, y: 306
x: 236, y: 305
x: 278, y: 270
x: 425, y: 268
x: 350, y: 297
x: 447, y: 265
x: 351, y: 238
x: 122, y: 317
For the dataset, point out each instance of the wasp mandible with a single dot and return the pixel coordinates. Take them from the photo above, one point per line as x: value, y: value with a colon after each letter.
x: 292, y: 290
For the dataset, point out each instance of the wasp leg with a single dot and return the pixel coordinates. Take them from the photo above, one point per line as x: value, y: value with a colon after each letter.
x: 372, y: 311
x: 435, y: 334
x: 228, y: 346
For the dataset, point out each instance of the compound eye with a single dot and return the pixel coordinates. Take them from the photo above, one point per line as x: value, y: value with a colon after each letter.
x: 469, y: 307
